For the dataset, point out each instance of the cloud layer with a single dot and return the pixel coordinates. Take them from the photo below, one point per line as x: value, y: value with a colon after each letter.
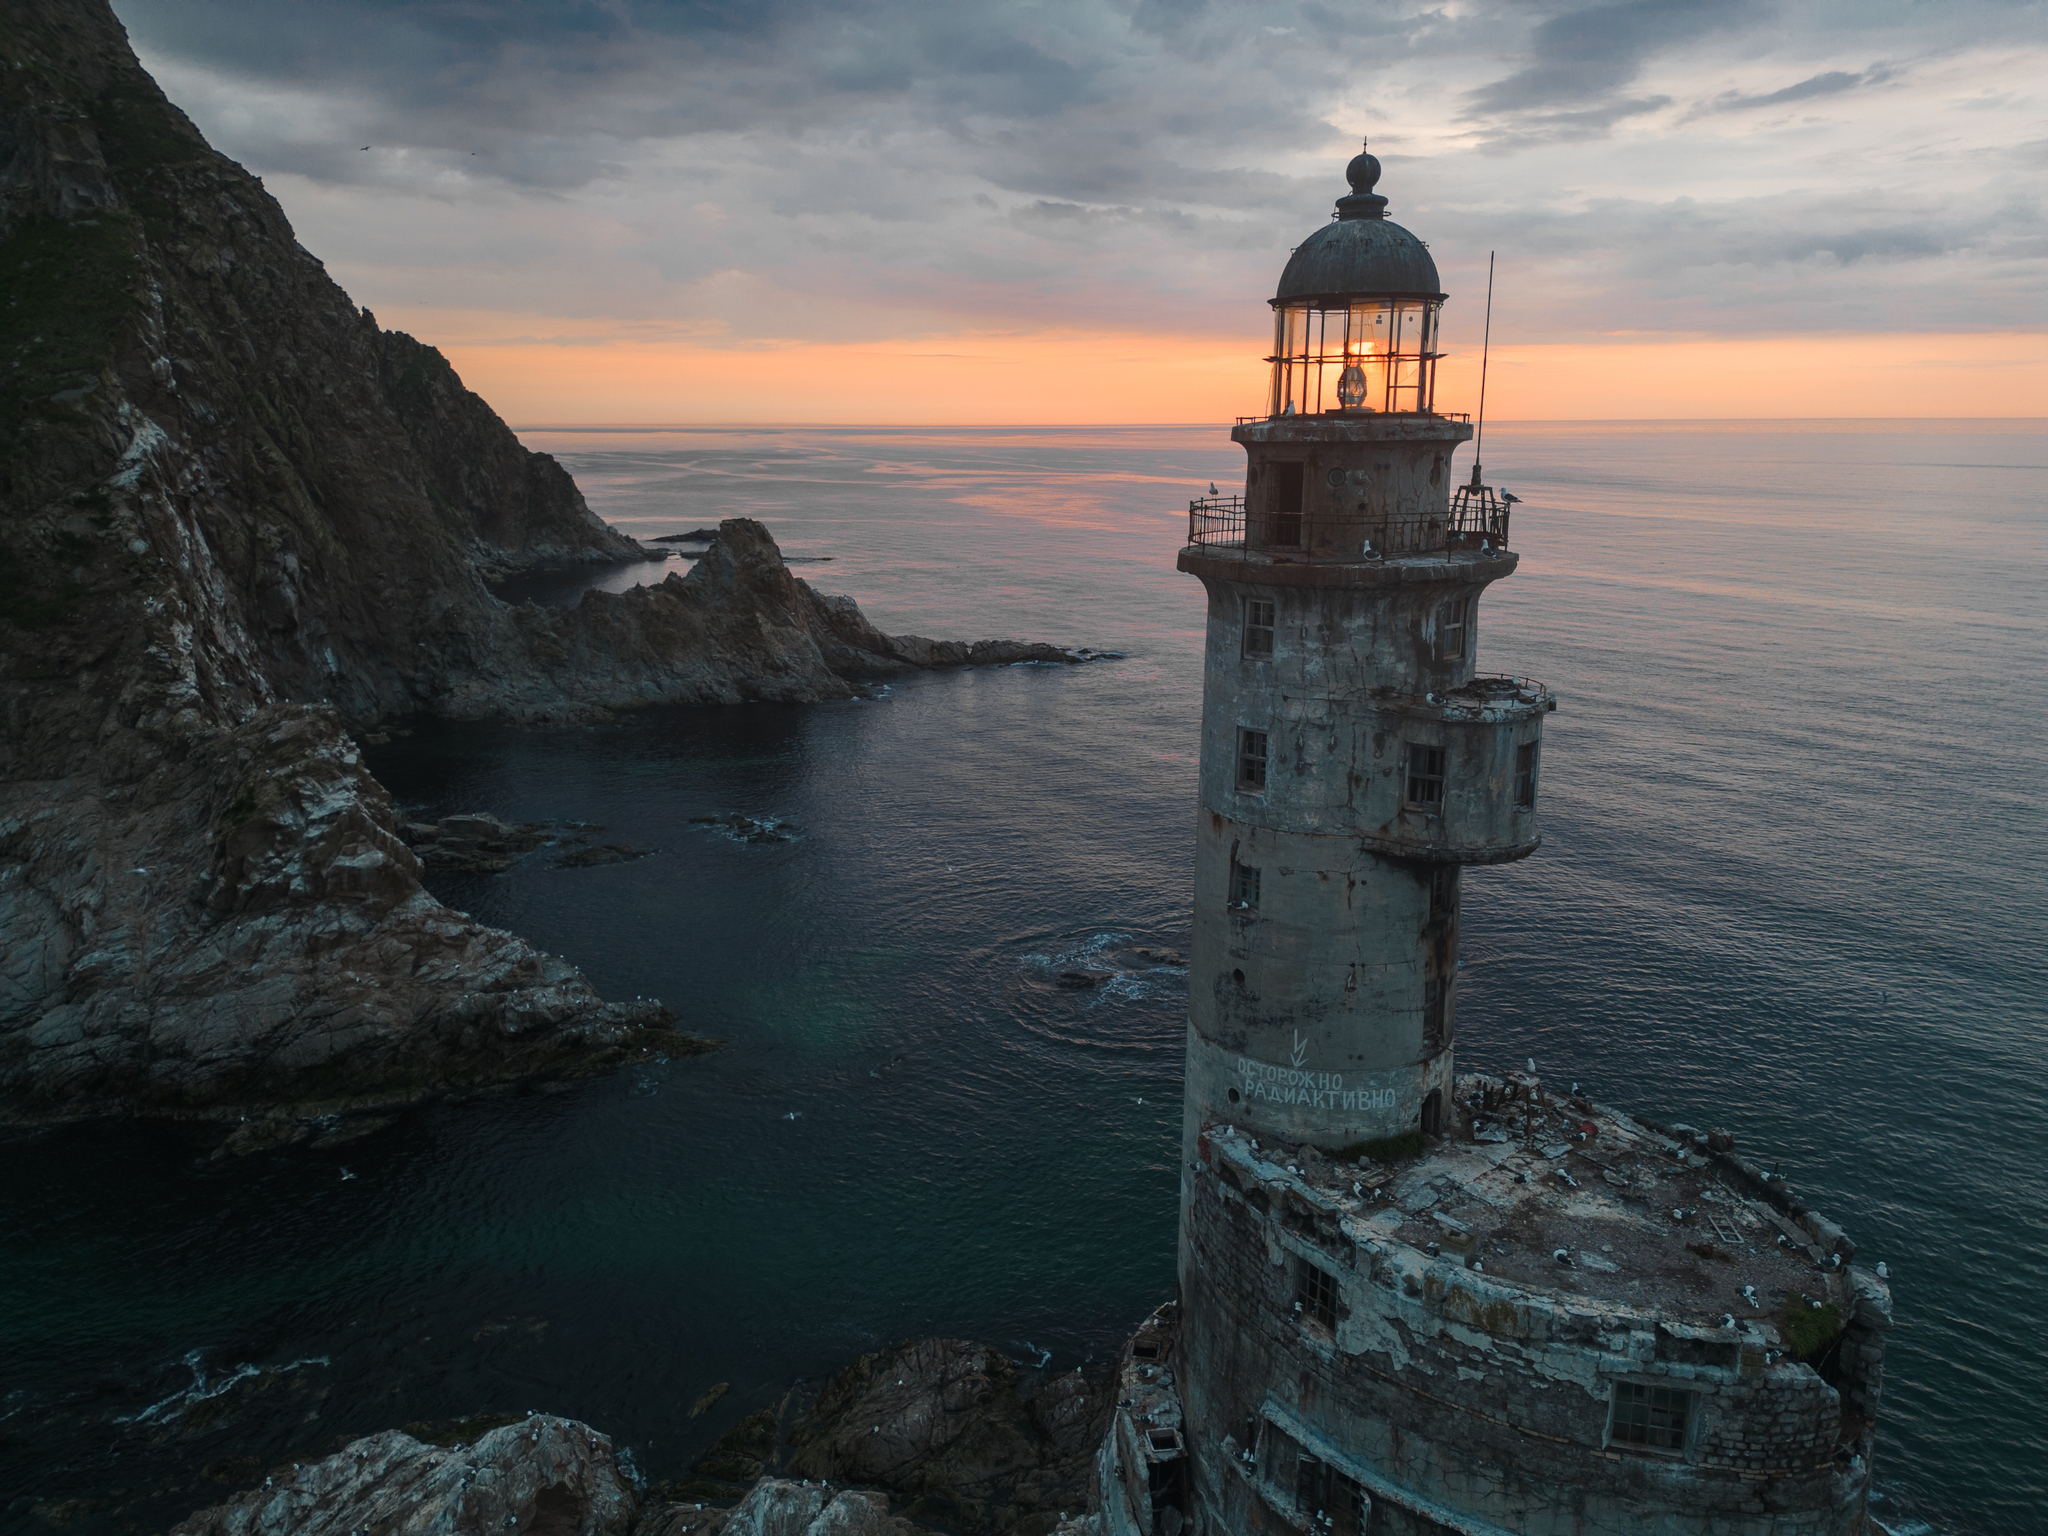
x: 745, y: 171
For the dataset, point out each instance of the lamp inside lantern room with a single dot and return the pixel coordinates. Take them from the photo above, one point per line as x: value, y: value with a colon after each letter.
x: 1355, y: 320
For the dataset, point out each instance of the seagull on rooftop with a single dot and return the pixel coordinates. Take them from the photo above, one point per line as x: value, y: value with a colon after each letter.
x: 1532, y: 1065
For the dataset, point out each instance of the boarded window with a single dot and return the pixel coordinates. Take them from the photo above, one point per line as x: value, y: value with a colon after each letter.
x: 1258, y: 626
x: 1525, y: 775
x: 1251, y: 760
x: 1450, y: 630
x: 1654, y: 1418
x: 1315, y: 1293
x: 1425, y: 776
x: 1244, y: 887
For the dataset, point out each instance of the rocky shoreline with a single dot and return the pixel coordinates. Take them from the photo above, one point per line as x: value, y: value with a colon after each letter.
x: 937, y: 1435
x: 240, y: 525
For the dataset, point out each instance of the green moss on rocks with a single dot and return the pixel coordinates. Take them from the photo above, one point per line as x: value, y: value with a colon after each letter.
x: 69, y: 290
x: 1810, y: 1330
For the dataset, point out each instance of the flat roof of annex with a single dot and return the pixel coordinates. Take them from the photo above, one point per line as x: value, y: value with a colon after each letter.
x: 1565, y: 1201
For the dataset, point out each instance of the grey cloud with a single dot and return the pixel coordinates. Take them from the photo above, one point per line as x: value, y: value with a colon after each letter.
x: 1832, y: 83
x: 1583, y: 55
x: 1532, y: 129
x: 1136, y: 162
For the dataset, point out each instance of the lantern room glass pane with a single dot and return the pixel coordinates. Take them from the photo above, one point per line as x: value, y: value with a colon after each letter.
x: 1362, y: 356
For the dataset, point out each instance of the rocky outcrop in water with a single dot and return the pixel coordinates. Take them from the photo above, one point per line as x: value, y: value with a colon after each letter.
x: 936, y: 1433
x: 238, y: 520
x: 543, y: 1476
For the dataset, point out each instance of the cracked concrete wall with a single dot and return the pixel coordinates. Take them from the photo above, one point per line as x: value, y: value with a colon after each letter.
x: 1381, y: 478
x: 1480, y: 1400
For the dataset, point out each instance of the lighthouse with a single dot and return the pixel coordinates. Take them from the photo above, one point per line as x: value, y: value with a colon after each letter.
x: 1354, y: 761
x: 1413, y: 1301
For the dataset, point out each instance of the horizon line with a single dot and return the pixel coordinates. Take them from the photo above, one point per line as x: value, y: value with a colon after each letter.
x: 1506, y: 421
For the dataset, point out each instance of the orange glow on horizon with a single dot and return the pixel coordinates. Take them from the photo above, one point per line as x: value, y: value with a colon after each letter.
x: 1056, y: 378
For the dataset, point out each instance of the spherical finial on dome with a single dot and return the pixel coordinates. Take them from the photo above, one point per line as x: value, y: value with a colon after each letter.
x: 1363, y: 173
x: 1364, y: 170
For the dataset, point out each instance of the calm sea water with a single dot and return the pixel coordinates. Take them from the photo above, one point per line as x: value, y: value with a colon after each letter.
x: 1791, y: 885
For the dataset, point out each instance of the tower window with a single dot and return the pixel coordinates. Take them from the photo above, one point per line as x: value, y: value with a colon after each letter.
x: 1258, y: 626
x: 1654, y: 1418
x: 1434, y: 1010
x: 1425, y: 776
x: 1333, y: 1503
x: 1443, y: 891
x: 1315, y: 1294
x: 1251, y: 761
x: 1283, y: 524
x: 1525, y: 775
x: 1450, y: 630
x: 1244, y: 887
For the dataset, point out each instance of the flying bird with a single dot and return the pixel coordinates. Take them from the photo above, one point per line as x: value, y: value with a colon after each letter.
x: 366, y: 146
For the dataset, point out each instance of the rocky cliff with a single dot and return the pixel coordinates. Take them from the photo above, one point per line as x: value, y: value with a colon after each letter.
x: 237, y: 520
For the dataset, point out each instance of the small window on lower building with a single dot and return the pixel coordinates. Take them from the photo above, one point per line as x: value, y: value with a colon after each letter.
x: 1425, y: 777
x: 1315, y: 1293
x: 1653, y: 1418
x: 1308, y: 1483
x: 1244, y: 888
x: 1258, y: 626
x: 1525, y: 775
x: 1332, y: 1503
x: 1251, y: 760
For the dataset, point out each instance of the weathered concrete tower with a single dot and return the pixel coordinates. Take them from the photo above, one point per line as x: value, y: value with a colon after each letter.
x: 1413, y: 1303
x: 1352, y: 763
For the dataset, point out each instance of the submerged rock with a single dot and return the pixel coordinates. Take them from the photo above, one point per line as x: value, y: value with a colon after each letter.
x: 542, y: 1474
x: 749, y: 829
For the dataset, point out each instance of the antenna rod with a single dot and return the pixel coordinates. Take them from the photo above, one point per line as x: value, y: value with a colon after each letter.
x: 1485, y: 348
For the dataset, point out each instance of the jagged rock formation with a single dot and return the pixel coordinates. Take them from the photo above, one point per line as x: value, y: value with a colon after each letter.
x: 237, y: 519
x: 944, y: 1425
x: 541, y: 1475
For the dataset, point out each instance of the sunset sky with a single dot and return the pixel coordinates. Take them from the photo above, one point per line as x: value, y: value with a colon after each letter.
x: 837, y: 211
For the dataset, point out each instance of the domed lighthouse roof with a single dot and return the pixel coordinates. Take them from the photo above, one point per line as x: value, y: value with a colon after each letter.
x: 1362, y: 253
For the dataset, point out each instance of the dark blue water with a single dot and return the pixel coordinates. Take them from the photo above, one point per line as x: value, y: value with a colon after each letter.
x: 1791, y: 885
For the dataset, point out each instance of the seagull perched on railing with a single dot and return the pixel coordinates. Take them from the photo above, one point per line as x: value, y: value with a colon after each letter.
x: 1509, y: 496
x: 1212, y: 489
